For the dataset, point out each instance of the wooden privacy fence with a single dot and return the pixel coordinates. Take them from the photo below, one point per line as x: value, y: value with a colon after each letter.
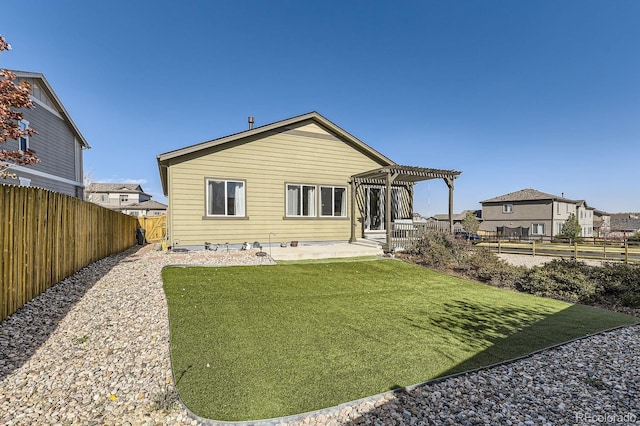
x: 155, y: 227
x: 46, y: 237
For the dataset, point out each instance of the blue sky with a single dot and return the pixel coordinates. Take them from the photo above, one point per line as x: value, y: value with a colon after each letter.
x: 515, y: 94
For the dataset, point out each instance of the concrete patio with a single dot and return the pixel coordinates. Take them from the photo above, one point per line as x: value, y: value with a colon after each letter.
x: 324, y: 251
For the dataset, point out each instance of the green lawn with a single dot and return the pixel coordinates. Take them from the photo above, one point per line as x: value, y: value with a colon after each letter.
x: 257, y: 342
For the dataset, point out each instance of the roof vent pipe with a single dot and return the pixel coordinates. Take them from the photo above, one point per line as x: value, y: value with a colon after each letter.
x: 250, y: 120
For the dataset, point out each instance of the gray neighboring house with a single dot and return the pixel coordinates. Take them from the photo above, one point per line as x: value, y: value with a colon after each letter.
x: 59, y: 144
x: 457, y: 218
x: 624, y: 225
x: 128, y: 198
x: 601, y: 224
x: 145, y: 208
x: 531, y: 213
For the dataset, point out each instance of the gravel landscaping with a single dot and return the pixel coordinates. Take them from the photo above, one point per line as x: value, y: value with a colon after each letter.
x: 94, y: 349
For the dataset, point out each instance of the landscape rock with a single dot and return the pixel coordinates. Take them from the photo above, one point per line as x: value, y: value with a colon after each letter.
x: 94, y: 349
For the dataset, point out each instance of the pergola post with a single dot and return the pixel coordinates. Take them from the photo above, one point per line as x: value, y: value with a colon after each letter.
x: 352, y: 239
x: 387, y: 209
x: 449, y: 183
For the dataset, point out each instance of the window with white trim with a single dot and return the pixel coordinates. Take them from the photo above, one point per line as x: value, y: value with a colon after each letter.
x: 301, y: 200
x: 507, y: 208
x: 23, y: 142
x: 537, y: 229
x: 333, y: 201
x: 225, y: 197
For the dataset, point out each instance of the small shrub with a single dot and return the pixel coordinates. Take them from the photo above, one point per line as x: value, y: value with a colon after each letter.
x: 615, y: 285
x: 166, y: 400
x: 567, y: 280
x: 615, y: 279
x: 439, y: 250
x: 485, y: 266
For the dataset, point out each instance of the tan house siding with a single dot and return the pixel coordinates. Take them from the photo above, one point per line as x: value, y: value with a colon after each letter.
x: 304, y: 154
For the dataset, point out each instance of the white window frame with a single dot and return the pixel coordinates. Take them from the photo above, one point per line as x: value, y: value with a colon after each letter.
x: 507, y: 208
x: 124, y: 198
x: 312, y: 209
x: 240, y: 207
x: 24, y: 139
x: 535, y: 227
x: 343, y: 207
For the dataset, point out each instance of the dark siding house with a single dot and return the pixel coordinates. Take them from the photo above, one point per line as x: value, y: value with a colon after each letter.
x: 59, y: 144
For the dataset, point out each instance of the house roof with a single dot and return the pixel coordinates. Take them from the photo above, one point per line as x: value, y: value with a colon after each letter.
x: 625, y: 224
x: 145, y: 205
x: 528, y: 194
x: 163, y: 159
x: 459, y: 216
x: 115, y: 187
x: 52, y: 95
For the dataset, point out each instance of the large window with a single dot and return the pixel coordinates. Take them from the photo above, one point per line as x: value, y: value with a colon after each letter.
x: 301, y: 200
x: 225, y: 198
x: 333, y: 201
x: 537, y: 229
x: 507, y: 208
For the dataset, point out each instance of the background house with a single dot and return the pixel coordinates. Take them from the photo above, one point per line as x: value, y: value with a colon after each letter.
x: 299, y: 179
x: 145, y: 208
x: 59, y: 144
x: 457, y: 218
x: 624, y: 225
x: 128, y: 198
x: 529, y: 212
x: 601, y: 223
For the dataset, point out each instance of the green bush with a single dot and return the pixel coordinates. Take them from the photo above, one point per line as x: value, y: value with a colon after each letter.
x: 617, y: 283
x: 613, y: 284
x: 439, y: 250
x: 567, y: 280
x: 485, y: 266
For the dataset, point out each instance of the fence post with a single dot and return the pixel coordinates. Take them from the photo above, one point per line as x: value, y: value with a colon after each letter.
x: 533, y: 248
x: 575, y: 250
x: 626, y: 251
x: 499, y: 249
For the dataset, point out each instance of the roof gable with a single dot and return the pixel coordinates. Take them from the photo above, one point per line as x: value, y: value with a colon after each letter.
x: 114, y: 187
x: 311, y: 122
x: 54, y: 100
x: 527, y: 194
